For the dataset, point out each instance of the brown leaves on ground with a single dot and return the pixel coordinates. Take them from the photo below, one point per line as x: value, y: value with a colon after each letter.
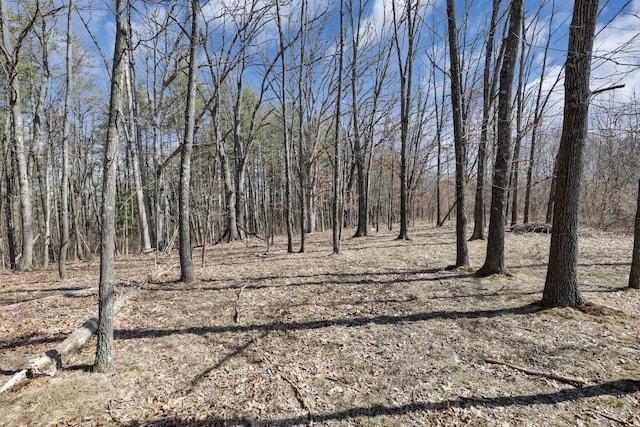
x: 379, y: 335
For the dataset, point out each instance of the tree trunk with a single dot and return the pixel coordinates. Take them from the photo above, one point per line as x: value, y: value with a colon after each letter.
x: 337, y: 147
x: 133, y: 142
x: 494, y: 261
x: 302, y: 155
x: 231, y: 231
x: 561, y: 284
x: 64, y: 185
x: 358, y: 152
x: 411, y: 19
x: 187, y: 271
x: 515, y: 177
x: 634, y: 276
x: 539, y: 109
x: 53, y: 360
x: 104, y: 347
x: 42, y: 166
x: 11, y: 59
x: 239, y: 164
x: 285, y: 133
x: 460, y: 140
x: 488, y: 94
x: 7, y: 171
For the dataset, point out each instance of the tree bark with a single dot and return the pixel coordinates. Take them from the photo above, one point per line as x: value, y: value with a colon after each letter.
x: 337, y: 147
x: 494, y: 261
x: 7, y: 171
x: 104, y: 347
x: 133, y: 142
x: 460, y: 141
x: 285, y: 133
x: 10, y: 57
x: 40, y: 143
x: 411, y: 19
x: 488, y: 94
x: 187, y: 270
x: 634, y: 275
x: 561, y: 284
x: 64, y: 185
x: 302, y: 155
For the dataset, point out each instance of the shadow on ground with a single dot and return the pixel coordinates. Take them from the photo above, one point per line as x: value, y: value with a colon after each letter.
x: 613, y: 388
x: 126, y: 334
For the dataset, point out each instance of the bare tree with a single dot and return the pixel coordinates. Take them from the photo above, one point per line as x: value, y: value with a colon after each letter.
x: 539, y: 109
x: 561, y: 284
x: 286, y: 140
x: 10, y: 56
x: 488, y: 94
x: 104, y: 347
x: 494, y: 261
x: 134, y: 135
x: 187, y: 271
x: 39, y: 140
x: 410, y: 18
x: 459, y: 137
x: 66, y: 135
x: 337, y: 165
x: 634, y: 275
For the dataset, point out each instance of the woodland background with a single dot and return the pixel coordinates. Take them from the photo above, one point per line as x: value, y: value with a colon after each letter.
x: 283, y: 121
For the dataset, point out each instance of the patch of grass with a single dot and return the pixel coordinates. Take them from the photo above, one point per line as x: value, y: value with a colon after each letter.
x: 616, y: 403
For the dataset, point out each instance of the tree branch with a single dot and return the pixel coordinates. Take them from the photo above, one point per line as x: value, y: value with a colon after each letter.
x: 577, y: 382
x: 606, y: 89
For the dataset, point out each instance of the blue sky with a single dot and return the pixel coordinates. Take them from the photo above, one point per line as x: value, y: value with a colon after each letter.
x: 616, y: 53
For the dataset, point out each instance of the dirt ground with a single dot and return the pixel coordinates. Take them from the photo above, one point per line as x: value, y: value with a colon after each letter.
x: 380, y: 335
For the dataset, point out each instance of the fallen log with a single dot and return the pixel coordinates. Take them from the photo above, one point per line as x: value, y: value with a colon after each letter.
x: 53, y: 360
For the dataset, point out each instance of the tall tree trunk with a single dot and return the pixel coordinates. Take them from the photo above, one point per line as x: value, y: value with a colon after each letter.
x: 302, y: 157
x: 515, y: 177
x: 488, y: 94
x: 411, y: 19
x: 187, y: 271
x: 285, y: 133
x: 239, y: 161
x: 337, y: 148
x: 460, y: 140
x: 104, y: 347
x: 231, y: 221
x: 539, y: 109
x: 11, y: 59
x: 26, y: 260
x: 7, y: 171
x: 494, y: 261
x: 358, y: 152
x: 64, y: 186
x: 634, y: 275
x: 561, y: 284
x: 133, y: 142
x: 42, y: 166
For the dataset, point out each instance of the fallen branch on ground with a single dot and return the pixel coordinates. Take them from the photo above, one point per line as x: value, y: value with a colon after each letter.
x: 51, y: 361
x: 577, y: 382
x: 296, y: 390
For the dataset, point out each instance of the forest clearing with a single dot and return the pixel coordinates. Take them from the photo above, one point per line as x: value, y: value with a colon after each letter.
x: 378, y: 335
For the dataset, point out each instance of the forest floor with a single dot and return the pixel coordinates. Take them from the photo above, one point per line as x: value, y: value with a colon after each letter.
x: 380, y: 335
